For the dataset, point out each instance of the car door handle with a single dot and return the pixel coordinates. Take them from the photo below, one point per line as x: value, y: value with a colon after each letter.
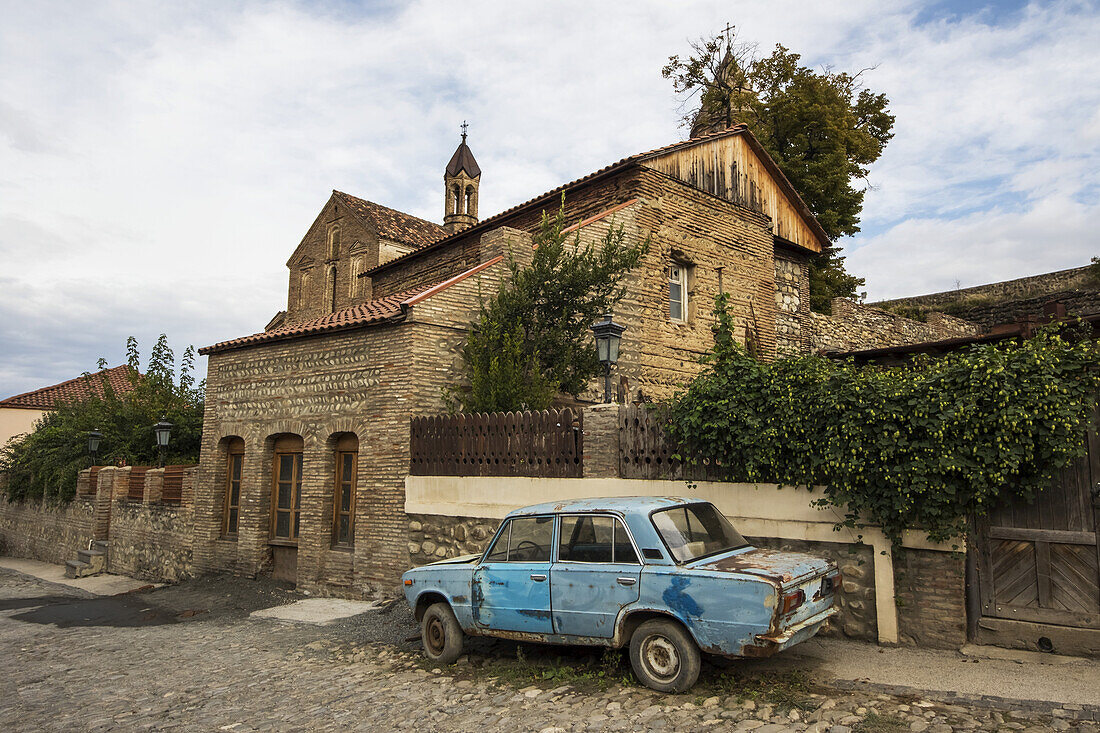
x: 539, y: 577
x: 626, y: 581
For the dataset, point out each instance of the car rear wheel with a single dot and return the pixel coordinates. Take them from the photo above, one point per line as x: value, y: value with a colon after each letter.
x: 441, y: 634
x: 664, y: 656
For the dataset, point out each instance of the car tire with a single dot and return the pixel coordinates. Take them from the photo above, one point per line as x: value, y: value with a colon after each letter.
x: 664, y: 656
x: 441, y: 634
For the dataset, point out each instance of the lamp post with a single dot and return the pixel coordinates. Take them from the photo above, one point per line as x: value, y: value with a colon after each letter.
x: 608, y: 335
x: 162, y: 430
x: 94, y: 439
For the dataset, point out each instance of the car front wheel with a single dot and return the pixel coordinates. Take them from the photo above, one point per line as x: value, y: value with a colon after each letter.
x: 441, y: 634
x: 664, y: 656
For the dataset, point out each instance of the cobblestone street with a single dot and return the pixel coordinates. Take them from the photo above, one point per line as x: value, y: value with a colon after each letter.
x: 188, y: 657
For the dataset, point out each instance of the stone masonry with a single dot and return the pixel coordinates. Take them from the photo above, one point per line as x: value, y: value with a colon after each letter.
x: 853, y: 327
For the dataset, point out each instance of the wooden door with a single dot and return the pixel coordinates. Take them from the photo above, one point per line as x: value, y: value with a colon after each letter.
x: 1040, y: 562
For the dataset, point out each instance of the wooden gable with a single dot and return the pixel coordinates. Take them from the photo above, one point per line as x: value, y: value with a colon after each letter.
x: 734, y: 167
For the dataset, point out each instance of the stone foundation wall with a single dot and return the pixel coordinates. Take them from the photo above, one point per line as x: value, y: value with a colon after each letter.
x: 151, y: 541
x: 930, y: 588
x: 1024, y: 287
x: 856, y: 600
x: 51, y: 533
x: 433, y: 537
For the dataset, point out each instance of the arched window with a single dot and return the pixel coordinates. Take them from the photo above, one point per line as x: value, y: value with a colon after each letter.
x: 286, y: 499
x: 343, y: 504
x: 457, y: 197
x: 234, y: 465
x: 303, y: 288
x: 470, y: 199
x: 334, y: 242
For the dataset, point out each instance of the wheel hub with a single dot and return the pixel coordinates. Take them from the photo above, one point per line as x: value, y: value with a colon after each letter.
x: 661, y: 657
x: 434, y: 638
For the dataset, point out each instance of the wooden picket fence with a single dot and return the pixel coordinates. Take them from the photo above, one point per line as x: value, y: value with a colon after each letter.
x: 135, y: 488
x: 544, y: 444
x: 647, y: 452
x: 171, y: 491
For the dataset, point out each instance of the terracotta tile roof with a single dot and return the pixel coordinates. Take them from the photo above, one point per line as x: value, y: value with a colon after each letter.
x: 393, y: 224
x: 739, y: 129
x: 373, y: 311
x: 73, y: 390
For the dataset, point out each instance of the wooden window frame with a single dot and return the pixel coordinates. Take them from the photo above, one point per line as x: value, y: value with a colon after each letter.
x: 234, y: 456
x: 682, y: 281
x: 295, y: 509
x: 341, y: 484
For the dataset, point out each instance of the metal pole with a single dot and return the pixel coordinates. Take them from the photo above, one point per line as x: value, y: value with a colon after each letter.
x: 607, y: 382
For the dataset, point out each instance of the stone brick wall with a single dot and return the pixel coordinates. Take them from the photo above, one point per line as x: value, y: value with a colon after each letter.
x: 792, y: 299
x: 151, y: 541
x: 1024, y: 287
x: 434, y: 537
x: 1084, y: 302
x: 930, y: 588
x: 48, y: 532
x: 853, y: 327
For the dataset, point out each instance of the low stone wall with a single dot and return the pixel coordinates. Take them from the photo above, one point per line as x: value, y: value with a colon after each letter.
x: 151, y: 541
x: 853, y: 327
x: 47, y: 532
x: 434, y: 537
x: 1035, y: 286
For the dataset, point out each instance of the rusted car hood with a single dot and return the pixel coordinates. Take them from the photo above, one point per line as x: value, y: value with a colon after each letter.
x: 784, y: 568
x: 457, y: 560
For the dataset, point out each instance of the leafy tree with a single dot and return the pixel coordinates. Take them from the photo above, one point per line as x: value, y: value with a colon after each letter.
x: 926, y: 445
x: 44, y: 464
x: 823, y: 129
x: 531, y: 341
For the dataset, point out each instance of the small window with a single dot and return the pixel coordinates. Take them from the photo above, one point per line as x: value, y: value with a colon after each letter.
x: 527, y: 539
x: 287, y: 503
x: 303, y: 288
x: 233, y: 467
x: 343, y: 514
x: 596, y: 539
x: 677, y: 293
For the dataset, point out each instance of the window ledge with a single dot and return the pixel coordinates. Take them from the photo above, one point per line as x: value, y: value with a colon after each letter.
x: 278, y: 542
x: 343, y: 547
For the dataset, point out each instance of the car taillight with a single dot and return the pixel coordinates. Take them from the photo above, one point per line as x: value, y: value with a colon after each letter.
x: 792, y: 601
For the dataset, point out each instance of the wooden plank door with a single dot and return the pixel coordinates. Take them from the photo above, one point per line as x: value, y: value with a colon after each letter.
x: 1040, y: 562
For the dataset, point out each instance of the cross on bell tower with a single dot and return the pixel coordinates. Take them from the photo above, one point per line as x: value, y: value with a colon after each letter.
x: 460, y: 184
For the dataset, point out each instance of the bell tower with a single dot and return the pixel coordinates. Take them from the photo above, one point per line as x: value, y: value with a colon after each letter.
x: 460, y: 184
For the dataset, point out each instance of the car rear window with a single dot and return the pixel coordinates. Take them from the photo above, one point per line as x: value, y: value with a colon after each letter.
x: 692, y: 531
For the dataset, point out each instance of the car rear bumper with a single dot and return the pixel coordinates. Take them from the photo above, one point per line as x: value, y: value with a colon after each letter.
x: 768, y: 644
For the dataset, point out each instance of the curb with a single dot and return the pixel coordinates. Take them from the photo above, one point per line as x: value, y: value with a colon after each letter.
x: 1070, y: 711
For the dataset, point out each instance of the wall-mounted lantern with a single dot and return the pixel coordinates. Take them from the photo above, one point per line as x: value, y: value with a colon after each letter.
x: 163, y: 430
x: 608, y: 336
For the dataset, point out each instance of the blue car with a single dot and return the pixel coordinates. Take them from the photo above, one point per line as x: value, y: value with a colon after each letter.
x: 670, y: 577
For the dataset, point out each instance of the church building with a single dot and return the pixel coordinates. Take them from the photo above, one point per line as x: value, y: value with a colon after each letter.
x: 306, y: 431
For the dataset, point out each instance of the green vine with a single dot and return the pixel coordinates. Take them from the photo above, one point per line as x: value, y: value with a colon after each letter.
x: 924, y: 445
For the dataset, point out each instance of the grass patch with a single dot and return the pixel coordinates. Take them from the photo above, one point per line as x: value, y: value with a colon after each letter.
x: 784, y: 690
x: 876, y: 723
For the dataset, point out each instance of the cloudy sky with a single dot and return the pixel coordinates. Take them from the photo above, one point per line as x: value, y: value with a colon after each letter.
x: 160, y: 161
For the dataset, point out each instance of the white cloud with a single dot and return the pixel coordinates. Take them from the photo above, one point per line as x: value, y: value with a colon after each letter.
x: 177, y: 152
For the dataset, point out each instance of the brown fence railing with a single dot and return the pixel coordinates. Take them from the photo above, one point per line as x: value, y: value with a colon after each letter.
x: 171, y: 491
x: 546, y: 444
x: 646, y: 451
x: 135, y: 489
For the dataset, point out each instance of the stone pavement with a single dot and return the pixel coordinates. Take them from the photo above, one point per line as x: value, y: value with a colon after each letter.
x: 189, y: 657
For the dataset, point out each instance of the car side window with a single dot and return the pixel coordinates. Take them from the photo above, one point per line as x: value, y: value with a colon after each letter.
x: 524, y: 539
x: 596, y: 539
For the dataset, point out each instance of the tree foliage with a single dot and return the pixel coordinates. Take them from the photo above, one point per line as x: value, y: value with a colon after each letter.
x: 923, y: 445
x: 45, y: 463
x: 532, y: 341
x: 823, y: 129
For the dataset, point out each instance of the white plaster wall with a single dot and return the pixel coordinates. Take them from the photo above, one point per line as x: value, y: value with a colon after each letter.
x: 17, y: 421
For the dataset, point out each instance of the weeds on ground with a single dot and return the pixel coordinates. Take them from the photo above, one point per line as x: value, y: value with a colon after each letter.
x: 584, y: 673
x: 784, y: 690
x: 876, y: 723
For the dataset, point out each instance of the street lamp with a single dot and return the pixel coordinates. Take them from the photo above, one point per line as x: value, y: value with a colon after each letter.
x: 94, y: 439
x: 162, y: 430
x: 608, y: 335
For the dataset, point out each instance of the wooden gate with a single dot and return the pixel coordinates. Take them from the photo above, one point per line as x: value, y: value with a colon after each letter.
x: 1040, y: 562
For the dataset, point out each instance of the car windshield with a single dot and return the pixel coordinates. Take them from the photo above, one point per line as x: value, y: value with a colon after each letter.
x: 692, y: 531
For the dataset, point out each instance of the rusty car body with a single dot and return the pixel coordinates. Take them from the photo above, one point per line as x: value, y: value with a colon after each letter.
x: 595, y: 571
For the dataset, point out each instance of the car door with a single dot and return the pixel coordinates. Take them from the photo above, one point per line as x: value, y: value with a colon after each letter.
x: 511, y: 588
x: 595, y: 574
